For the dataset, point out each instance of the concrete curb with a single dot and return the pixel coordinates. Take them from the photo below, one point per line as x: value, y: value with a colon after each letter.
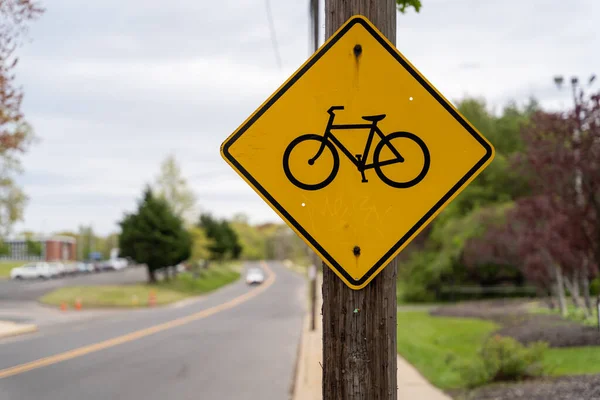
x: 9, y: 329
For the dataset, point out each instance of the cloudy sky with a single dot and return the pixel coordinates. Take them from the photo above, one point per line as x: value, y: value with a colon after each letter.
x: 112, y: 87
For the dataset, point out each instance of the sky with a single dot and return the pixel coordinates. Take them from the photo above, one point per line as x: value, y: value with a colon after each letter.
x: 113, y: 87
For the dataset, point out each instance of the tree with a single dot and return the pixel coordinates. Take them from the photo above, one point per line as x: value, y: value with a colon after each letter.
x: 154, y: 235
x: 225, y: 242
x: 532, y: 238
x: 403, y: 5
x: 251, y: 239
x: 553, y: 233
x: 15, y: 133
x: 86, y: 243
x: 106, y: 244
x: 436, y: 257
x: 4, y: 249
x: 34, y: 248
x: 562, y: 160
x: 200, y: 245
x: 171, y: 186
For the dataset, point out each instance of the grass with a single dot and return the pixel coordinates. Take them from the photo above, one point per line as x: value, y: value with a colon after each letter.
x: 138, y: 295
x: 111, y: 296
x: 573, y: 361
x: 435, y: 345
x: 6, y: 266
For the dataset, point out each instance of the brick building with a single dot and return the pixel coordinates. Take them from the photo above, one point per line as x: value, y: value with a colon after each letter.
x: 55, y: 248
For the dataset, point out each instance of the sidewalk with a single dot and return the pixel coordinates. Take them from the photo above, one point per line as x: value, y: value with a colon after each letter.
x: 8, y: 328
x: 411, y: 385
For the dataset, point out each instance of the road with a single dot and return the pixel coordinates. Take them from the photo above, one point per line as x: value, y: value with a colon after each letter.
x: 237, y: 343
x: 11, y: 290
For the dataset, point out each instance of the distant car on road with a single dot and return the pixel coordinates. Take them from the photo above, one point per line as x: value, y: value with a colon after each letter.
x: 35, y: 270
x: 255, y: 276
x: 114, y: 264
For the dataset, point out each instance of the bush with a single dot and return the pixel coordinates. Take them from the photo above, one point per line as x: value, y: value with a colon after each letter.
x: 595, y: 287
x: 417, y: 278
x: 505, y: 359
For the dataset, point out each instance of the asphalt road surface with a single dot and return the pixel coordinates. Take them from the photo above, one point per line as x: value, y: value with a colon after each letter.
x: 237, y: 343
x: 31, y: 290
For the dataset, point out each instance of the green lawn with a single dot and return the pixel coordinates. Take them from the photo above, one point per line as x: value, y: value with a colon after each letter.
x: 6, y: 266
x: 138, y: 295
x: 573, y: 361
x: 435, y: 345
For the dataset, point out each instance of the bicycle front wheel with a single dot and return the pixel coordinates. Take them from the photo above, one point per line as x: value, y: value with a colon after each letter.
x: 310, y: 172
x: 401, y: 173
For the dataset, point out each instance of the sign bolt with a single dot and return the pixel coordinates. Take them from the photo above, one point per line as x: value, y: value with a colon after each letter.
x: 356, y: 251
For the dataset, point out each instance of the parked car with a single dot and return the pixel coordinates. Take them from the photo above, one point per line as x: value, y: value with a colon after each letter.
x: 58, y: 267
x: 34, y: 271
x: 85, y: 268
x: 255, y: 276
x: 69, y: 268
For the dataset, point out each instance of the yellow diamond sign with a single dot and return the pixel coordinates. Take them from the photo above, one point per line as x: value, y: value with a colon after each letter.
x: 357, y: 152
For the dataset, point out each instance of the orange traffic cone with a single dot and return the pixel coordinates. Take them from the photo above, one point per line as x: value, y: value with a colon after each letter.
x: 63, y: 306
x: 78, y: 303
x: 152, y: 299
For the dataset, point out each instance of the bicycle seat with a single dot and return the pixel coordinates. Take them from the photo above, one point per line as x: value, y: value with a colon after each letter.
x: 374, y: 118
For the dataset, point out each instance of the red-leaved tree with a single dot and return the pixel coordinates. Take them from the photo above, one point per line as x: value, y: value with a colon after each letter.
x: 562, y: 158
x: 554, y: 234
x: 15, y: 133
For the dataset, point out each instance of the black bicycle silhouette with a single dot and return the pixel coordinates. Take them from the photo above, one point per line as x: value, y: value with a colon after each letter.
x: 328, y: 140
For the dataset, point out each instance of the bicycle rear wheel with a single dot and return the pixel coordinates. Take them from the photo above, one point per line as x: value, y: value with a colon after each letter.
x: 378, y: 163
x: 316, y: 170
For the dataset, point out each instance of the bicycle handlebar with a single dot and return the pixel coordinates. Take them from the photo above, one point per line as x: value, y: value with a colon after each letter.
x: 333, y: 108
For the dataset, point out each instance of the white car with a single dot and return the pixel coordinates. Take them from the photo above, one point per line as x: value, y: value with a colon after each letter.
x: 114, y: 264
x: 68, y: 268
x: 255, y: 276
x: 85, y: 268
x: 60, y: 268
x: 34, y: 271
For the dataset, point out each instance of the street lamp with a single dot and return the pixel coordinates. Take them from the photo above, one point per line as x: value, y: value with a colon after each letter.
x: 559, y: 80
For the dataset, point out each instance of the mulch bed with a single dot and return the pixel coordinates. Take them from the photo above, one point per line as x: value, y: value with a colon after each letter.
x: 584, y: 387
x: 519, y: 324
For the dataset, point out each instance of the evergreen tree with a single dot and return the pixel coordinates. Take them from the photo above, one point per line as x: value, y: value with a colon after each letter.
x: 154, y: 235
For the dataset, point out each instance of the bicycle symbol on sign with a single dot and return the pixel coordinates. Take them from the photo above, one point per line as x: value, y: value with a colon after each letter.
x: 329, y: 141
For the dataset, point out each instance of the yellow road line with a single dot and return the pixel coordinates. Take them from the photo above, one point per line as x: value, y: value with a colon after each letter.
x: 81, y: 351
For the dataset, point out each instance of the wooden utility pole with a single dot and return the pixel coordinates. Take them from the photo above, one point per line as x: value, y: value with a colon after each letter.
x: 359, y: 326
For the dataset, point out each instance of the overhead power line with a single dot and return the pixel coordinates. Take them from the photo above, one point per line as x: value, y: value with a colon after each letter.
x: 314, y: 24
x: 273, y: 35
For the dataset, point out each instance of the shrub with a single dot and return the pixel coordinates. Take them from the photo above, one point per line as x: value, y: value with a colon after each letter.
x: 595, y: 287
x: 505, y: 359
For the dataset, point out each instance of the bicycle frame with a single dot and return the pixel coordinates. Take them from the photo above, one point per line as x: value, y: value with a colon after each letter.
x: 360, y: 160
